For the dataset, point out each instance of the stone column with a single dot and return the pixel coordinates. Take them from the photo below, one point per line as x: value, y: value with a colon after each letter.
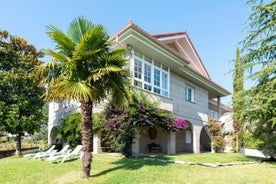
x: 172, y: 143
x: 97, y: 143
x: 219, y: 109
x: 51, y: 122
x: 196, y: 138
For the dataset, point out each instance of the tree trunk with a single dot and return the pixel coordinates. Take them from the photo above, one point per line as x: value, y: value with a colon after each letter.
x: 87, y: 137
x: 18, y: 145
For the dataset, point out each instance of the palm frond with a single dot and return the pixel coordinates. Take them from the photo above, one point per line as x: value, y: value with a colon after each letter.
x: 57, y: 56
x: 118, y: 87
x: 78, y: 28
x: 94, y: 38
x: 64, y: 43
x: 85, y: 55
x: 99, y: 73
x: 45, y: 71
x: 68, y: 89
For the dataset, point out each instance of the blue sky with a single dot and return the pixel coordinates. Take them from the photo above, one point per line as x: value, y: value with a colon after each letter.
x: 214, y: 26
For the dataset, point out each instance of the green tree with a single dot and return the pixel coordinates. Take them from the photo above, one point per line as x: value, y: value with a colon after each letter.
x: 238, y: 100
x: 20, y: 102
x: 259, y: 48
x: 85, y: 70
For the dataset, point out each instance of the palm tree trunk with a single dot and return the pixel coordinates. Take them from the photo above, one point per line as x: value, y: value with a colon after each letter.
x: 87, y: 137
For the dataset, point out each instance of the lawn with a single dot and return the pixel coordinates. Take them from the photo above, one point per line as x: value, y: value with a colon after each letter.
x: 116, y: 169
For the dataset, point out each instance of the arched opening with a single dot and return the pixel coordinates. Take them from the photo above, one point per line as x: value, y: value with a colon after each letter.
x: 52, y: 136
x: 205, y: 140
x: 184, y: 139
x: 153, y: 140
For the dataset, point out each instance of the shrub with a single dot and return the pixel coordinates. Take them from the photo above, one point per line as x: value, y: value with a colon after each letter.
x: 218, y: 141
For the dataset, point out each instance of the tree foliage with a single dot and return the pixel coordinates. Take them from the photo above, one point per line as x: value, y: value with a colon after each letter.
x: 20, y: 102
x: 259, y: 48
x: 238, y: 100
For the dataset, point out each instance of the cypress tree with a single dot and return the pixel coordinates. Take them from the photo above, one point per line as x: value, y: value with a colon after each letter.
x: 238, y: 100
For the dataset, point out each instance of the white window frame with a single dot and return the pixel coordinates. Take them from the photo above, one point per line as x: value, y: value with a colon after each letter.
x: 189, y: 97
x: 154, y: 65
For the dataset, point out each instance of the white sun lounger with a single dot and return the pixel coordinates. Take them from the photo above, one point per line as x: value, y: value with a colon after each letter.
x: 73, y: 154
x: 53, y: 153
x: 51, y: 149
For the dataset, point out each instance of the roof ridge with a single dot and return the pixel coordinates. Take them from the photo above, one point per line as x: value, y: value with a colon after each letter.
x: 169, y: 34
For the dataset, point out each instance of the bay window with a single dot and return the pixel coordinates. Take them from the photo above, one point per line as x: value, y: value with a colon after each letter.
x: 150, y: 75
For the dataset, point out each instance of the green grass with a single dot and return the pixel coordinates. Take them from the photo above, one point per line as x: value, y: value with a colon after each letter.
x: 110, y: 169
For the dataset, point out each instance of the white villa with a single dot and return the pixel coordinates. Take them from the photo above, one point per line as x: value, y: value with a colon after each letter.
x: 168, y: 69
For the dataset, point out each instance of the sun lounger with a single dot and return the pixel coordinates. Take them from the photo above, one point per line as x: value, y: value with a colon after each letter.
x: 73, y: 154
x: 51, y: 149
x: 53, y: 153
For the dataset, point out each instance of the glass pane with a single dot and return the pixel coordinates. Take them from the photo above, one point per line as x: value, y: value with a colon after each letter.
x: 147, y: 87
x: 165, y: 80
x: 188, y: 94
x: 156, y: 90
x: 138, y: 69
x: 156, y: 77
x: 137, y: 83
x: 147, y: 73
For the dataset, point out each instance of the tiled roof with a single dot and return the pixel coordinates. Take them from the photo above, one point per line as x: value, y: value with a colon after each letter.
x: 149, y: 36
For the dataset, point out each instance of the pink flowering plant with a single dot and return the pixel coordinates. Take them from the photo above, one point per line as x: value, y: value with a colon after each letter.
x: 140, y: 113
x: 180, y: 124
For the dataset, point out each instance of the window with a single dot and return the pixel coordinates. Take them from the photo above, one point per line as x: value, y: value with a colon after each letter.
x: 150, y: 75
x: 138, y: 69
x: 147, y: 73
x: 189, y: 94
x: 165, y: 84
x: 188, y: 137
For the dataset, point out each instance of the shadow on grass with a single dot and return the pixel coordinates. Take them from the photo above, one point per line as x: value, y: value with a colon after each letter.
x: 132, y: 164
x: 137, y: 163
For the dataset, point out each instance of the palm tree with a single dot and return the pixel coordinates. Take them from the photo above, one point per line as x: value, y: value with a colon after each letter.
x: 85, y: 70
